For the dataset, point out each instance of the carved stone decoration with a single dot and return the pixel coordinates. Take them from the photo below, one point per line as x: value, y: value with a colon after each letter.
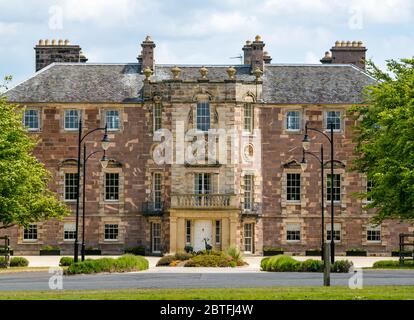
x: 258, y: 73
x: 190, y: 117
x: 231, y: 71
x: 203, y: 72
x: 176, y: 72
x: 147, y: 73
x: 216, y: 116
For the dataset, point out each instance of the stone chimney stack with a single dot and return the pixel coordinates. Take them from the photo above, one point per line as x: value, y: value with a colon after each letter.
x: 257, y: 55
x: 347, y: 52
x: 48, y: 52
x: 146, y: 59
x: 247, y: 52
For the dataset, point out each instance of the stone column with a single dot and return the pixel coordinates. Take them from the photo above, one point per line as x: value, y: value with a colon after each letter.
x: 233, y: 232
x: 225, y: 233
x: 180, y: 234
x: 173, y: 234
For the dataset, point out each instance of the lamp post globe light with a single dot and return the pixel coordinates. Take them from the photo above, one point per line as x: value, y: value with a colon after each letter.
x: 306, y: 146
x: 105, y: 145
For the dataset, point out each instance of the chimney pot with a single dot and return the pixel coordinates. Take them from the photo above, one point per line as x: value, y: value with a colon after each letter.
x: 67, y: 42
x: 53, y: 42
x: 258, y: 38
x: 41, y: 42
x: 60, y: 42
x: 46, y: 42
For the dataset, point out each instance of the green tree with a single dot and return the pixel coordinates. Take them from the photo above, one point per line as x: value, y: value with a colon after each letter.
x: 385, y: 140
x: 24, y: 194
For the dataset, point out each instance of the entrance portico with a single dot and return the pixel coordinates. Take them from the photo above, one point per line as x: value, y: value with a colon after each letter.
x: 189, y: 226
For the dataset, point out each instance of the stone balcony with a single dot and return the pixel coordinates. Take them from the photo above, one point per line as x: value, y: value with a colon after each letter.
x: 205, y: 201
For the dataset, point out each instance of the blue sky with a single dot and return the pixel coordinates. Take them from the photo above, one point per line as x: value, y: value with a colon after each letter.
x: 295, y: 31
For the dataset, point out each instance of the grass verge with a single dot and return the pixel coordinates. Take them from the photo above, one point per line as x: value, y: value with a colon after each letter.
x: 271, y: 293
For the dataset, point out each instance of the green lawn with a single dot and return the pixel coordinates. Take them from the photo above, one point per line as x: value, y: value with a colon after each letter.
x: 275, y: 293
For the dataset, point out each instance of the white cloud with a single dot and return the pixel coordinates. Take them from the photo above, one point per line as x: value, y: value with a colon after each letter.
x: 8, y: 28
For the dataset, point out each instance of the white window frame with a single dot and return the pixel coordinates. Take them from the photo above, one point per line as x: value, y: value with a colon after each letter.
x: 188, y: 232
x: 157, y: 190
x: 117, y: 235
x: 37, y: 111
x: 157, y: 116
x: 118, y: 187
x: 155, y: 226
x: 65, y: 114
x: 248, y: 235
x: 65, y: 186
x: 248, y: 116
x: 217, y: 226
x: 327, y: 129
x: 69, y: 227
x: 337, y: 227
x: 299, y: 120
x: 293, y: 187
x: 293, y: 227
x: 328, y: 187
x: 248, y: 191
x: 374, y: 229
x: 33, y: 225
x: 118, y: 116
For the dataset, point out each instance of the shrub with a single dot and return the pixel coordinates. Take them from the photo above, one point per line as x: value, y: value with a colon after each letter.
x: 281, y: 263
x: 14, y: 262
x: 341, y: 266
x: 264, y: 263
x: 165, y: 261
x: 188, y: 249
x: 311, y: 266
x: 139, y: 250
x: 19, y: 262
x: 124, y: 263
x: 49, y: 248
x: 210, y: 260
x: 236, y: 255
x: 392, y: 264
x: 66, y: 261
x: 182, y: 256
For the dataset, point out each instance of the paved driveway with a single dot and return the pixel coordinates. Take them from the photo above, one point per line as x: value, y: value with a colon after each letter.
x: 196, y: 279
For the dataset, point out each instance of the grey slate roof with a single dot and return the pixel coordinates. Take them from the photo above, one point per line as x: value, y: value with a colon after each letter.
x: 122, y: 83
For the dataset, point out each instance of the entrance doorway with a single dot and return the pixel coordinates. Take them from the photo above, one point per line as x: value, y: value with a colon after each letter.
x: 202, y: 230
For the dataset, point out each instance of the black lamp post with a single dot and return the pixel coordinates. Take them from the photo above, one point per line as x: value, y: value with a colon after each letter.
x: 306, y: 146
x: 105, y: 146
x: 304, y: 165
x: 104, y: 163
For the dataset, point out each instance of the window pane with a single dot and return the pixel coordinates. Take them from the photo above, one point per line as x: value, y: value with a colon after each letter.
x: 218, y: 232
x: 111, y: 186
x: 293, y: 187
x: 30, y: 233
x: 157, y: 116
x: 112, y: 120
x: 248, y: 117
x: 248, y: 192
x: 203, y: 116
x: 71, y: 186
x: 69, y: 231
x: 188, y: 232
x: 333, y: 118
x: 248, y: 237
x: 336, y: 187
x: 156, y: 236
x: 111, y: 232
x: 293, y: 120
x: 71, y: 119
x: 157, y: 191
x: 31, y: 119
x: 337, y: 232
x: 293, y: 232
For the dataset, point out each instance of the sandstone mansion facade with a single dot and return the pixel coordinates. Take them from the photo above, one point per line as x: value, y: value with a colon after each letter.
x: 260, y: 198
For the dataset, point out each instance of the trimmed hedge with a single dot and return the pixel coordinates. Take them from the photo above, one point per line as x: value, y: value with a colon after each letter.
x: 15, y: 262
x: 385, y: 264
x: 214, y: 259
x: 125, y: 263
x: 66, y: 261
x: 283, y: 263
